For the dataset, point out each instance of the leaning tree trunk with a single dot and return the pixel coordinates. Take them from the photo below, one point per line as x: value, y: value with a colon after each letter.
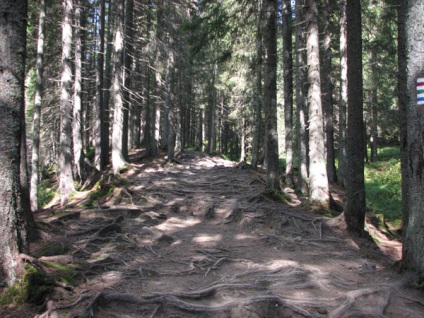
x: 270, y: 94
x: 66, y: 183
x: 35, y: 162
x: 318, y: 182
x: 118, y: 161
x: 413, y: 244
x: 355, y: 190
x: 288, y: 89
x: 13, y: 227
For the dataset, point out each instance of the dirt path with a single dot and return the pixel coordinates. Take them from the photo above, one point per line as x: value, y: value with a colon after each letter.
x: 197, y: 239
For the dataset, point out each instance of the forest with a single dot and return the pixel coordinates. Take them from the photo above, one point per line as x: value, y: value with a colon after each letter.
x: 204, y: 158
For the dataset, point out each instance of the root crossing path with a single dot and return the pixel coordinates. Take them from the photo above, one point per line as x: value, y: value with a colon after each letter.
x: 197, y: 238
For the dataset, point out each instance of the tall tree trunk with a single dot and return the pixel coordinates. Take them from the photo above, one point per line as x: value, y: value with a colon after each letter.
x: 257, y: 95
x: 242, y: 123
x: 31, y: 227
x: 270, y: 94
x: 147, y: 115
x: 35, y: 161
x: 118, y: 160
x: 77, y: 109
x: 327, y: 87
x: 170, y: 108
x: 413, y: 244
x: 156, y: 109
x: 403, y: 110
x: 212, y: 100
x: 66, y: 184
x: 136, y: 109
x: 318, y: 182
x: 355, y: 191
x: 107, y: 84
x: 288, y: 89
x: 13, y: 227
x: 99, y: 159
x: 148, y: 112
x: 374, y: 107
x: 212, y: 122
x: 301, y: 113
x: 128, y: 64
x: 202, y: 129
x: 342, y: 171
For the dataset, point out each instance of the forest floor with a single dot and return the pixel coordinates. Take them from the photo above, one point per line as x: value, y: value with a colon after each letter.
x: 198, y: 238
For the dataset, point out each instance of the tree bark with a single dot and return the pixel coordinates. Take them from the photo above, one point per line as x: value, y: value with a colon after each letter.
x: 257, y: 92
x: 355, y: 190
x: 118, y: 160
x: 288, y: 89
x: 66, y: 183
x: 403, y: 109
x: 128, y: 64
x: 107, y: 84
x: 13, y: 226
x: 35, y: 161
x: 156, y: 107
x: 327, y: 88
x: 270, y: 94
x: 374, y: 107
x: 99, y: 159
x: 342, y: 170
x: 301, y: 114
x: 413, y: 244
x: 318, y: 182
x: 170, y: 108
x: 77, y: 109
x: 147, y: 78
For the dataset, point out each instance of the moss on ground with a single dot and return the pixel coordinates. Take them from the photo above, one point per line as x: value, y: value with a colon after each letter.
x: 33, y: 288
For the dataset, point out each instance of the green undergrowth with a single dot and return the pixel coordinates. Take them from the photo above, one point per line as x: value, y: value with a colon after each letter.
x: 383, y: 185
x: 33, y: 288
x: 103, y: 189
x: 277, y: 196
x: 62, y: 272
x: 47, y: 190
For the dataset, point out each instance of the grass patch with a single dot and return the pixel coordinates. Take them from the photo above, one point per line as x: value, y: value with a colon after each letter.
x: 383, y: 185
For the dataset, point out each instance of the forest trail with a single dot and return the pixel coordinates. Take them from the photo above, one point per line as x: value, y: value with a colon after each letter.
x: 198, y: 238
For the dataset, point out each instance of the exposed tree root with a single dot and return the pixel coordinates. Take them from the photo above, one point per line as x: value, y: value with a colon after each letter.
x: 174, y: 301
x: 376, y: 301
x: 52, y: 308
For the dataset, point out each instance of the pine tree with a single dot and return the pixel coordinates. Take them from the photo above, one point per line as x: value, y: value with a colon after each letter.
x: 66, y: 184
x: 13, y: 226
x: 318, y: 182
x: 355, y: 190
x: 35, y: 162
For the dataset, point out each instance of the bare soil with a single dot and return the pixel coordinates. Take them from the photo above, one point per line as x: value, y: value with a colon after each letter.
x: 197, y: 238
